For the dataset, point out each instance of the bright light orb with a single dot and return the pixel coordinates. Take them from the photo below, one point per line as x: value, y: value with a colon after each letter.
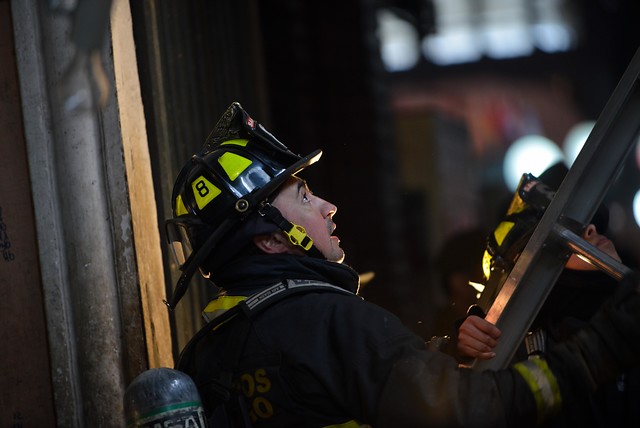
x: 399, y: 42
x: 553, y: 37
x: 575, y: 139
x: 532, y: 154
x: 636, y: 207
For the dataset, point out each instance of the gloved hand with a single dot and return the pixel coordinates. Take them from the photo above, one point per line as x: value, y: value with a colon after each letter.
x: 609, y: 345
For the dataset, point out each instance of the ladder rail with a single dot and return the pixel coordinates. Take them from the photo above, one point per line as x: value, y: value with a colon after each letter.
x: 595, y: 169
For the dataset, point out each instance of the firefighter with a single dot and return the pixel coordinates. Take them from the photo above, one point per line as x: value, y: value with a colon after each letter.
x: 577, y: 295
x: 290, y: 342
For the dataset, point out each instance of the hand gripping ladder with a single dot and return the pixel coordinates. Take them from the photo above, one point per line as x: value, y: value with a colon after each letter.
x: 556, y: 236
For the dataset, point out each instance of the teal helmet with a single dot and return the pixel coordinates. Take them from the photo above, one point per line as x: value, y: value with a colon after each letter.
x: 227, y: 186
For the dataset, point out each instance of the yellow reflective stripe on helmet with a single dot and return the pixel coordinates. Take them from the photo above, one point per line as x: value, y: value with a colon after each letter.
x: 502, y: 231
x: 499, y: 234
x: 543, y: 386
x: 220, y: 305
x: 180, y: 208
x: 349, y: 424
x: 233, y: 164
x: 204, y: 191
x: 486, y: 264
x: 517, y: 204
x: 238, y: 142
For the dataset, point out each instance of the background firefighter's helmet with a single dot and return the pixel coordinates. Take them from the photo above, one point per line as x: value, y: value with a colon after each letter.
x: 508, y: 240
x: 511, y: 235
x: 233, y: 176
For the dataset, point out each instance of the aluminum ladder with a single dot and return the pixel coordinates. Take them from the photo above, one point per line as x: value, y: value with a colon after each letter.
x: 556, y: 236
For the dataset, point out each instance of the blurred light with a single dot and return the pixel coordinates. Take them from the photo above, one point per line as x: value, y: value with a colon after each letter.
x: 454, y: 47
x: 457, y: 40
x: 508, y: 41
x: 477, y: 286
x: 468, y: 30
x: 636, y: 207
x: 399, y: 42
x: 553, y: 30
x: 553, y: 37
x: 505, y: 26
x: 575, y: 139
x: 532, y: 154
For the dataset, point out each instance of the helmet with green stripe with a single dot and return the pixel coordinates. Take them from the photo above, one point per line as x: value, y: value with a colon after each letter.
x: 509, y: 238
x: 230, y: 180
x: 512, y: 234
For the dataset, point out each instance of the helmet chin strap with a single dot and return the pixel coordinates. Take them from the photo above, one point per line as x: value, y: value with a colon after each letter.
x: 297, y: 234
x: 195, y: 260
x: 315, y: 253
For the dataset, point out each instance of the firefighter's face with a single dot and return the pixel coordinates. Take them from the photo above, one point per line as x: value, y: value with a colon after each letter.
x: 298, y: 205
x: 601, y: 242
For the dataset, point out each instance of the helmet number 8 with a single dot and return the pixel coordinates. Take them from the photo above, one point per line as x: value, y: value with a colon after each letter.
x: 204, y: 191
x: 202, y: 188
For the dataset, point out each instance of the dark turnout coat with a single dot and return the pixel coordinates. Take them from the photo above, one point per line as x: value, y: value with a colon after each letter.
x: 574, y: 300
x: 323, y: 356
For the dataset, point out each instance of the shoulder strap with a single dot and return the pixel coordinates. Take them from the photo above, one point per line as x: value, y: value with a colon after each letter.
x: 255, y: 304
x: 260, y: 301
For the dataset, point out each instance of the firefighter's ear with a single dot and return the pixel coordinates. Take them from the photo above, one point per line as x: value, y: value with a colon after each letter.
x: 273, y: 243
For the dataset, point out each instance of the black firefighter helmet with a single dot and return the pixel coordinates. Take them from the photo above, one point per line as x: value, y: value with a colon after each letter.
x: 508, y: 240
x: 223, y: 187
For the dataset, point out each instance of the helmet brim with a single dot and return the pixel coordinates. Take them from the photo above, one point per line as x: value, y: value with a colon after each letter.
x: 268, y: 190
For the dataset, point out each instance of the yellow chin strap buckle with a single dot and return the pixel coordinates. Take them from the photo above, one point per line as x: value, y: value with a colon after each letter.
x: 298, y: 236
